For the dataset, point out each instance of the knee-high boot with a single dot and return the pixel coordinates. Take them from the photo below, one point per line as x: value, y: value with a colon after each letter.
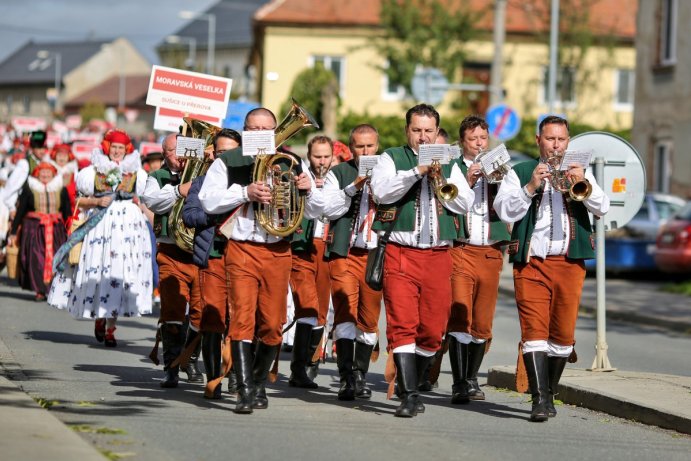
x: 315, y: 343
x: 363, y: 353
x: 211, y: 354
x: 242, y: 364
x: 264, y: 357
x: 172, y: 339
x: 344, y: 360
x: 555, y: 367
x: 406, y: 380
x: 536, y: 368
x: 300, y: 360
x: 476, y: 352
x: 192, y: 369
x: 422, y: 364
x: 458, y: 355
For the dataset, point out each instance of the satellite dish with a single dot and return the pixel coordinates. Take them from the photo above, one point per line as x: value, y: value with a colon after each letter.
x: 624, y: 174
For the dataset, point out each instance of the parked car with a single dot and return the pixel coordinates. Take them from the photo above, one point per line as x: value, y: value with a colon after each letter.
x: 632, y: 247
x: 673, y: 246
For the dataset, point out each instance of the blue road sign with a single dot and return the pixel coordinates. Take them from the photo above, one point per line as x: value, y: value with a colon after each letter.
x: 235, y: 117
x: 504, y: 122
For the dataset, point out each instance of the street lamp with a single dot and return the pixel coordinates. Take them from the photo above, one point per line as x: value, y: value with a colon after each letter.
x: 57, y: 58
x: 212, y: 35
x: 192, y: 55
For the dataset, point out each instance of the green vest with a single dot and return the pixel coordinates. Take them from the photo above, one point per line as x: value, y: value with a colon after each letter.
x: 340, y: 230
x: 497, y: 229
x: 582, y: 243
x: 301, y: 240
x: 164, y: 177
x: 405, y: 159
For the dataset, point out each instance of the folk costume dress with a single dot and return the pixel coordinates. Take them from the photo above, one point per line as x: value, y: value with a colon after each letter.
x: 114, y: 274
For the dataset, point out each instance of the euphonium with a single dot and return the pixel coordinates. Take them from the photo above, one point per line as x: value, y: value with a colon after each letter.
x: 194, y: 167
x: 283, y: 215
x: 444, y: 190
x: 561, y: 182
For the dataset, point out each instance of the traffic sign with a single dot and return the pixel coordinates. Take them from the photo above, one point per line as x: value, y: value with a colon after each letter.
x: 504, y: 122
x: 429, y: 85
x: 237, y: 110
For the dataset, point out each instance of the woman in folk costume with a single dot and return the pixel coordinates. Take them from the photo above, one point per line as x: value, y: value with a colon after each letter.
x: 64, y: 160
x: 114, y: 275
x: 42, y: 209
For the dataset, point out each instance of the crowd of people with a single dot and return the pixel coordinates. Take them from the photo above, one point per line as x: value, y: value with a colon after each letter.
x: 231, y: 263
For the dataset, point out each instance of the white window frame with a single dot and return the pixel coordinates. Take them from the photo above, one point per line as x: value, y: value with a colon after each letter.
x: 668, y: 22
x: 662, y: 165
x: 327, y: 64
x: 542, y: 97
x: 624, y: 106
x: 387, y: 95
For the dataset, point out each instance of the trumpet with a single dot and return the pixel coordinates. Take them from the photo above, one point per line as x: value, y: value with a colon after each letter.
x: 561, y: 181
x: 443, y: 190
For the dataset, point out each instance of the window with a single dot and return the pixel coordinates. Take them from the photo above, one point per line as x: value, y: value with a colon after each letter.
x: 334, y: 63
x: 663, y: 154
x: 390, y: 90
x: 566, y: 86
x: 667, y: 51
x: 624, y: 89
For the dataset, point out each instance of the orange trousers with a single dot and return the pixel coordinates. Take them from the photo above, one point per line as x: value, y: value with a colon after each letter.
x: 310, y: 283
x: 214, y: 293
x: 178, y: 285
x: 258, y: 275
x: 548, y: 293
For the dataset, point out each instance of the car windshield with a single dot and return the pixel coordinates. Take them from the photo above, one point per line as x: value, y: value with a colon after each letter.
x: 685, y: 213
x: 666, y: 209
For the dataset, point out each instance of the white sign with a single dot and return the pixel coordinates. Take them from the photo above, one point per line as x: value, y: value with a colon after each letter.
x: 170, y: 120
x: 83, y: 150
x: 258, y: 142
x: 580, y: 157
x: 190, y: 147
x: 28, y: 124
x: 494, y: 159
x: 427, y: 153
x: 366, y: 164
x: 73, y: 122
x: 189, y: 92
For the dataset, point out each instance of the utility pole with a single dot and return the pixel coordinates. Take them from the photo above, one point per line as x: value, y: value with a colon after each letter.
x: 496, y: 94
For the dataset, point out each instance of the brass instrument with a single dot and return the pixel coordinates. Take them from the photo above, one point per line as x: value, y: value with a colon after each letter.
x: 500, y: 169
x: 444, y: 190
x: 194, y: 167
x: 561, y: 182
x: 283, y: 215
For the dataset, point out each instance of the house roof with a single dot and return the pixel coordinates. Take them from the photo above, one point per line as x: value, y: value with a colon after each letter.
x: 233, y: 24
x: 108, y: 92
x: 615, y: 17
x: 25, y: 67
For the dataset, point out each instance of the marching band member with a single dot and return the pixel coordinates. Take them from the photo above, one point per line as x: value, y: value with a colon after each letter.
x: 309, y: 277
x: 178, y: 275
x: 417, y: 266
x: 552, y: 237
x: 23, y: 168
x: 477, y: 261
x: 258, y: 263
x: 349, y: 206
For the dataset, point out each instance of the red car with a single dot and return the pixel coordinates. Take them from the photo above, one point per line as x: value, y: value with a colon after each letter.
x: 673, y: 245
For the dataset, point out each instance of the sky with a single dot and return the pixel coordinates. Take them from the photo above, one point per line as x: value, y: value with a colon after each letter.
x: 144, y: 22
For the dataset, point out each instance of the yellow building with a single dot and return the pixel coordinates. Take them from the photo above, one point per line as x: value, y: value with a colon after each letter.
x: 291, y: 35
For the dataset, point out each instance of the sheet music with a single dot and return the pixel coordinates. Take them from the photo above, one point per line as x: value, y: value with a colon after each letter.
x: 494, y: 159
x: 581, y: 157
x: 190, y: 147
x: 366, y: 163
x: 258, y: 142
x: 430, y: 152
x: 454, y: 151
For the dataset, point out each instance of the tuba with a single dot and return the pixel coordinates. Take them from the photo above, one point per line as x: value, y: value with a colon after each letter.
x: 283, y: 215
x: 561, y: 182
x: 194, y: 167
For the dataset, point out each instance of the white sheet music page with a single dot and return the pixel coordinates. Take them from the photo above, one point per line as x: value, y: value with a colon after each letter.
x: 366, y: 163
x: 580, y: 157
x: 190, y: 147
x: 260, y: 142
x: 430, y: 152
x: 494, y: 159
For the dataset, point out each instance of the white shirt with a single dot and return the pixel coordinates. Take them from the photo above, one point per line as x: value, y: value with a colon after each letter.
x: 10, y: 193
x: 389, y: 186
x: 338, y: 202
x: 219, y: 197
x: 160, y: 200
x: 477, y: 218
x: 552, y: 228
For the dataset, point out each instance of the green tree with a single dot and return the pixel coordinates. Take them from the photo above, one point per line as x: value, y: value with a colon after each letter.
x: 92, y: 110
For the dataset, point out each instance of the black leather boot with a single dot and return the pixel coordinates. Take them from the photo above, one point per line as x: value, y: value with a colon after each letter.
x: 263, y: 359
x: 315, y: 343
x: 406, y: 379
x: 458, y: 355
x: 476, y: 352
x: 363, y: 354
x: 423, y: 364
x: 211, y: 354
x: 344, y: 360
x: 298, y: 364
x: 192, y: 369
x: 172, y: 339
x: 536, y: 367
x: 242, y: 363
x: 555, y: 367
x: 232, y: 381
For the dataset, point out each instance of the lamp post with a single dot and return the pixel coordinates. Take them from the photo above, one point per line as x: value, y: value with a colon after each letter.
x: 192, y: 54
x: 211, y: 18
x: 57, y: 59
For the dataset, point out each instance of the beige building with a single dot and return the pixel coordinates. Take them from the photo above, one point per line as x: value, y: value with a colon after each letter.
x: 662, y: 121
x: 291, y: 35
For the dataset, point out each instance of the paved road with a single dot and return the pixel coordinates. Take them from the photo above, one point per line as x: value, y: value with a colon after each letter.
x: 55, y: 358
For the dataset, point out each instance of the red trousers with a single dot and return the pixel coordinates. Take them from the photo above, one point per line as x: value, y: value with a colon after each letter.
x: 354, y: 301
x: 310, y: 283
x: 178, y: 285
x: 258, y: 274
x: 474, y: 289
x: 417, y: 295
x: 214, y: 291
x: 548, y: 293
